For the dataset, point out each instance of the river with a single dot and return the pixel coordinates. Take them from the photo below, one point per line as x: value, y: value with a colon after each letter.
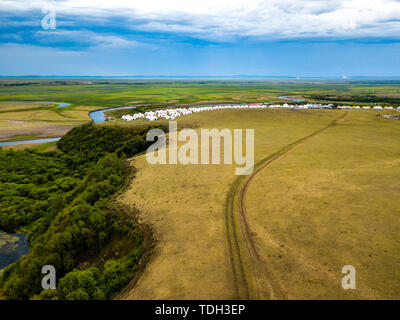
x: 43, y: 140
x: 292, y: 98
x: 99, y: 116
x: 96, y: 116
x: 12, y: 247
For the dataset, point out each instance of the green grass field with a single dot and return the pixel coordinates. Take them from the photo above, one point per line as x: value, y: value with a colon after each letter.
x: 117, y: 92
x: 43, y: 120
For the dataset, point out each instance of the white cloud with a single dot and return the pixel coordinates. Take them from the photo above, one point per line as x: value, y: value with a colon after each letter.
x: 14, y: 50
x: 222, y: 19
x: 92, y: 39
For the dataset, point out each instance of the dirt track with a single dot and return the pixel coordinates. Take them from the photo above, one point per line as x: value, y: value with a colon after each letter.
x: 253, y: 278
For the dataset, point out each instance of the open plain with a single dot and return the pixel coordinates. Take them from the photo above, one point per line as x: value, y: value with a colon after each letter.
x: 323, y: 193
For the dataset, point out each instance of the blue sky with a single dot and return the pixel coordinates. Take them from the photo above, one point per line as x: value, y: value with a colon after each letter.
x: 298, y: 38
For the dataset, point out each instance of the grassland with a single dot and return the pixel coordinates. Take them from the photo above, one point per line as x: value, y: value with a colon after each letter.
x: 118, y: 92
x: 185, y: 205
x: 43, y: 120
x: 325, y: 202
x: 331, y: 202
x: 328, y: 202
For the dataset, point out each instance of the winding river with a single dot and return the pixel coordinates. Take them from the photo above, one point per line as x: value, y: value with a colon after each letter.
x: 96, y: 116
x: 99, y: 116
x: 13, y: 246
x: 292, y: 98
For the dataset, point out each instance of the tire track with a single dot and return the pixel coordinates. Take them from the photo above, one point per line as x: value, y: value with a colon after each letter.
x: 261, y: 279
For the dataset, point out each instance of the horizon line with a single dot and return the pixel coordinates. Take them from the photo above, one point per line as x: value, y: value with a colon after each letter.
x: 203, y: 77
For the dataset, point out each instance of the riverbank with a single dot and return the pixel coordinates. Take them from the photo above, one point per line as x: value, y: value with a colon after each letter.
x: 12, y: 247
x: 96, y: 116
x: 99, y: 116
x: 23, y: 121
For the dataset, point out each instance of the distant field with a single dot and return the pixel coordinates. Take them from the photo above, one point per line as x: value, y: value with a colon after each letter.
x: 329, y: 202
x: 144, y: 92
x: 117, y: 92
x: 37, y: 120
x: 43, y: 120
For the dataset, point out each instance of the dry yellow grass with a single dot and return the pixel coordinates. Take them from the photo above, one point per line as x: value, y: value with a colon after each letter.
x: 39, y: 123
x: 331, y: 202
x: 14, y: 129
x: 185, y: 205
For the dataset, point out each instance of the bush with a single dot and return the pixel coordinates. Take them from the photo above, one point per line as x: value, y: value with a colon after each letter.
x: 61, y: 200
x: 81, y: 285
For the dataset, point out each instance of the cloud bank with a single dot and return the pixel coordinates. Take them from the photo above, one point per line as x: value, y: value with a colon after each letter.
x: 223, y: 20
x: 207, y: 37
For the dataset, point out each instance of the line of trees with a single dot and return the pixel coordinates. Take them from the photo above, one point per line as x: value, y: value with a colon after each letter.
x: 358, y: 99
x: 61, y: 200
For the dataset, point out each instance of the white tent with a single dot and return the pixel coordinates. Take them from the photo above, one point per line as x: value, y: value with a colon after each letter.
x: 173, y: 113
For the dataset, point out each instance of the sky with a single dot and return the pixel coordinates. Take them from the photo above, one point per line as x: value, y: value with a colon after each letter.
x: 294, y: 38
